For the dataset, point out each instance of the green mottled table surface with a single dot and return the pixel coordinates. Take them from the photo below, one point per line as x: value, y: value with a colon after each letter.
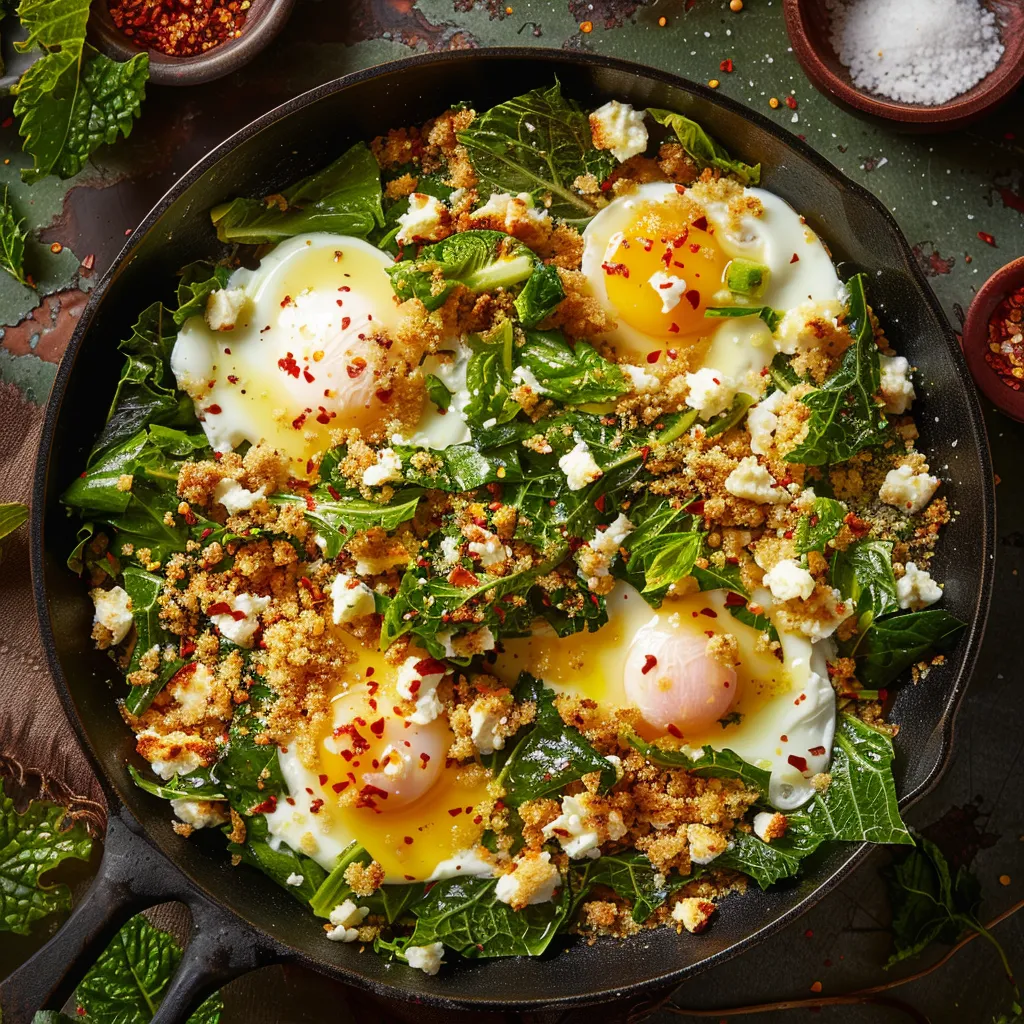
x: 959, y: 199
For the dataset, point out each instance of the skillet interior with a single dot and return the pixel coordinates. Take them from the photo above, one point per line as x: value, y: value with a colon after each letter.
x: 306, y: 134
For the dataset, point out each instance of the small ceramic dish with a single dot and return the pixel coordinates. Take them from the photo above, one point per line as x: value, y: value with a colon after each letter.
x: 264, y: 19
x: 807, y: 22
x: 976, y: 344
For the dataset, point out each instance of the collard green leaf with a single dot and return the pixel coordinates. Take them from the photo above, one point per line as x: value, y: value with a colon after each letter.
x: 782, y: 375
x: 890, y: 646
x: 198, y: 785
x: 130, y: 979
x: 438, y: 392
x: 539, y: 143
x: 814, y: 531
x: 467, y: 917
x: 863, y: 573
x: 729, y: 419
x: 278, y: 861
x: 12, y: 240
x: 334, y: 890
x: 551, y: 754
x: 673, y: 559
x: 541, y: 294
x: 575, y: 375
x: 845, y: 417
x: 765, y: 863
x: 719, y: 764
x: 144, y: 590
x: 482, y: 261
x: 489, y: 379
x: 250, y: 771
x: 196, y: 283
x: 343, y: 198
x: 770, y: 316
x: 703, y: 149
x: 460, y: 467
x: 629, y: 875
x: 32, y: 844
x: 725, y: 577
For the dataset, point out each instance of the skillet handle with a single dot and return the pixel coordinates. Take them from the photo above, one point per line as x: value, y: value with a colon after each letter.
x: 132, y: 876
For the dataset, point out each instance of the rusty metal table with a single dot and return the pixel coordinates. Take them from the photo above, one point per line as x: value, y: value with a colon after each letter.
x: 958, y: 198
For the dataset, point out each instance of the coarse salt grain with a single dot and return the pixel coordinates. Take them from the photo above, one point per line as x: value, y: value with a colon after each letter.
x: 915, y: 51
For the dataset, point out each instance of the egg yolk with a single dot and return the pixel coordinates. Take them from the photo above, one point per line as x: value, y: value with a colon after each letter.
x: 664, y: 270
x: 389, y: 782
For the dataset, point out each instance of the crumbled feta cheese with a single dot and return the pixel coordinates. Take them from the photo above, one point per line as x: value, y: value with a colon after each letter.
x: 113, y: 611
x: 916, y: 589
x: 485, y: 723
x: 579, y: 467
x: 425, y: 958
x: 693, y: 913
x: 803, y: 327
x: 524, y: 375
x: 640, y: 380
x: 347, y: 914
x: 351, y: 598
x: 821, y: 628
x: 234, y: 497
x: 199, y: 813
x: 488, y: 547
x: 620, y: 128
x: 607, y: 542
x: 477, y: 862
x: 508, y: 209
x: 896, y: 386
x: 533, y: 879
x: 294, y: 879
x: 192, y: 689
x: 465, y: 645
x: 423, y: 221
x: 705, y: 843
x: 156, y: 747
x: 417, y: 681
x: 710, y: 392
x: 574, y: 837
x: 752, y: 481
x: 223, y: 307
x: 241, y: 630
x: 787, y: 580
x: 908, y: 489
x: 451, y: 549
x: 386, y: 470
x: 762, y: 422
x: 769, y: 825
x: 669, y: 287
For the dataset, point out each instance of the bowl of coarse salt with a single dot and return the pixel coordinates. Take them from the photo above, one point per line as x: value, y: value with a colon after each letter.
x: 924, y: 65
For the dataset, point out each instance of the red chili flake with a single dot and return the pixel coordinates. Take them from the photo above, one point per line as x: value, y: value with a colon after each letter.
x: 298, y: 421
x: 735, y: 600
x: 791, y: 102
x: 425, y: 758
x: 267, y: 807
x: 649, y: 662
x: 289, y: 365
x: 726, y: 65
x: 430, y: 667
x: 701, y: 223
x: 693, y: 298
x: 709, y: 612
x: 667, y: 258
x: 315, y: 805
x: 799, y: 763
x: 213, y: 410
x: 322, y: 779
x: 674, y: 730
x: 287, y: 301
x: 383, y: 394
x: 653, y: 357
x: 600, y: 503
x: 680, y: 189
x: 616, y: 268
x: 816, y: 751
x: 454, y: 811
x: 794, y: 258
x: 377, y: 728
x: 673, y: 329
x: 988, y: 239
x: 219, y: 608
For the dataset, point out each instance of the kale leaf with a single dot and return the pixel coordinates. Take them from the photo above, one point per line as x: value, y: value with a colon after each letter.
x: 571, y: 374
x: 814, y: 531
x: 703, y: 149
x: 539, y: 143
x: 863, y: 573
x: 195, y: 284
x: 489, y: 378
x: 343, y: 198
x: 542, y: 292
x: 200, y: 784
x: 144, y: 590
x: 629, y: 875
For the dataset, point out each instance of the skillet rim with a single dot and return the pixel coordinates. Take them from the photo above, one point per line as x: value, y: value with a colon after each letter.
x: 944, y: 727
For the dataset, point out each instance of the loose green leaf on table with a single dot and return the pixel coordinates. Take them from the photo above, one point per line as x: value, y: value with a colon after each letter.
x: 343, y: 198
x: 539, y: 143
x: 32, y: 844
x: 12, y: 515
x: 12, y: 240
x: 703, y: 149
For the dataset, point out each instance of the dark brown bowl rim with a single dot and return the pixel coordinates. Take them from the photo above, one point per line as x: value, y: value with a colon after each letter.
x: 975, y: 338
x: 1001, y: 82
x: 265, y: 20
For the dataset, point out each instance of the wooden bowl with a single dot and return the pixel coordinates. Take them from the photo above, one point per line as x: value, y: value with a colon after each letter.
x: 975, y: 339
x: 264, y: 19
x: 807, y: 22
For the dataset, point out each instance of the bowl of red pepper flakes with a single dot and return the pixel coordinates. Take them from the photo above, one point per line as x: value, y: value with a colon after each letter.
x: 993, y: 339
x: 188, y: 41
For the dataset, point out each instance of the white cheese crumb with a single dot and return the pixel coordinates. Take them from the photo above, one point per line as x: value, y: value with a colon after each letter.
x: 574, y: 837
x: 916, y: 589
x: 488, y: 547
x: 386, y: 470
x: 541, y: 877
x: 762, y: 422
x: 420, y: 688
x: 347, y: 914
x: 510, y: 209
x: 896, y: 386
x: 752, y: 481
x: 241, y: 631
x: 705, y: 843
x: 234, y: 497
x: 607, y: 542
x: 820, y: 629
x: 669, y: 287
x: 787, y: 580
x: 451, y: 549
x: 485, y: 724
x: 351, y: 598
x: 294, y: 879
x: 113, y: 610
x: 427, y: 959
x: 908, y: 489
x: 422, y: 221
x: 620, y: 128
x: 579, y: 467
x: 640, y: 380
x: 710, y: 391
x: 223, y: 307
x: 693, y: 913
x: 198, y: 813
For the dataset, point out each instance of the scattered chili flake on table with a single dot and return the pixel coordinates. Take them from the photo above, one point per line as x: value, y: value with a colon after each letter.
x: 179, y: 28
x: 1005, y: 353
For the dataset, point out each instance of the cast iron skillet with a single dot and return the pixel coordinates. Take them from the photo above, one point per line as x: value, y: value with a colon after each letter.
x: 242, y: 919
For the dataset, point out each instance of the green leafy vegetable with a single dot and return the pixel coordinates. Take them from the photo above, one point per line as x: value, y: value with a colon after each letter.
x: 551, y: 754
x: 130, y: 979
x: 438, y: 391
x: 343, y: 198
x: 772, y: 317
x: 482, y: 261
x: 813, y: 532
x: 12, y: 515
x: 334, y: 890
x: 720, y: 424
x: 703, y: 149
x: 144, y: 590
x: 863, y: 573
x: 197, y: 785
x: 719, y: 764
x: 845, y: 417
x: 572, y: 374
x: 782, y: 375
x: 467, y: 917
x: 12, y: 241
x: 196, y: 283
x: 629, y: 875
x: 537, y: 300
x: 539, y: 143
x: 489, y: 378
x: 32, y: 844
